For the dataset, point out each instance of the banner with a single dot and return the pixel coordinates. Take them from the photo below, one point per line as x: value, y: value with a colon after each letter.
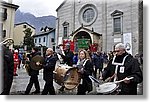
x: 83, y: 43
x: 127, y: 40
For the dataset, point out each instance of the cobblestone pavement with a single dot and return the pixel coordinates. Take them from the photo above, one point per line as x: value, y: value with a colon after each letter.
x: 20, y: 83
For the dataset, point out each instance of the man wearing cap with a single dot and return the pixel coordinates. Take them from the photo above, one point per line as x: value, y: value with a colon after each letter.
x: 7, y: 71
x: 123, y: 67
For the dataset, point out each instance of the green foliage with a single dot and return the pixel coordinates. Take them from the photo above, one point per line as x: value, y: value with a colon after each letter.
x: 28, y: 39
x: 16, y: 46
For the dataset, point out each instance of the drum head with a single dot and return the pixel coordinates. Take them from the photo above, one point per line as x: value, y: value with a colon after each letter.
x: 106, y: 88
x: 67, y: 76
x: 60, y: 74
x: 71, y: 79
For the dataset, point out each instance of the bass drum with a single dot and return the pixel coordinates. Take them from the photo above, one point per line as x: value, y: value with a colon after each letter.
x: 67, y: 76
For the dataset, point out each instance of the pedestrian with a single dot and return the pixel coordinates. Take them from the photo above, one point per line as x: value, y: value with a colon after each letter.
x: 49, y: 67
x: 33, y: 75
x: 97, y: 60
x: 8, y: 69
x: 24, y: 58
x: 85, y: 67
x: 75, y: 58
x: 105, y: 57
x: 20, y: 57
x: 122, y: 67
x: 16, y: 62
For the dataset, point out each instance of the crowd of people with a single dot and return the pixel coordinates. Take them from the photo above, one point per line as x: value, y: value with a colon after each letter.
x: 116, y: 65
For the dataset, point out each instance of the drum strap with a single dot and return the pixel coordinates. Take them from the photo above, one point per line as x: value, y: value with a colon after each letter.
x: 117, y: 65
x: 85, y: 62
x: 115, y: 74
x: 81, y: 81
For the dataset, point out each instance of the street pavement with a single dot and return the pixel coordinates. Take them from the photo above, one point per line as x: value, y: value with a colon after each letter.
x: 20, y: 83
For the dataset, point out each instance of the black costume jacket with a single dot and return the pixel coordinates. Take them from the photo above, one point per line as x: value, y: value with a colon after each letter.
x: 8, y: 69
x: 88, y: 70
x: 130, y: 68
x: 49, y: 67
x: 33, y: 72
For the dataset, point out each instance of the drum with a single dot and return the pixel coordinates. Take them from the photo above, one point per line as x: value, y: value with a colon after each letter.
x: 67, y: 76
x: 108, y: 88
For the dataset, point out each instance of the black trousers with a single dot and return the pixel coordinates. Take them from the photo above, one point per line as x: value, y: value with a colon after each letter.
x: 48, y: 88
x: 33, y: 80
x: 7, y: 87
x: 81, y: 90
x: 95, y: 71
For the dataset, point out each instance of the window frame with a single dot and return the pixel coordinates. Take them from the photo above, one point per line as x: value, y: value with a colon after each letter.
x: 35, y: 41
x: 44, y: 39
x: 117, y: 14
x: 39, y: 40
x: 52, y: 40
x: 65, y: 29
x: 121, y: 23
x: 24, y: 26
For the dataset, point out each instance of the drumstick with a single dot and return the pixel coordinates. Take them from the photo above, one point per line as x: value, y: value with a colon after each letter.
x: 123, y: 80
x: 94, y: 79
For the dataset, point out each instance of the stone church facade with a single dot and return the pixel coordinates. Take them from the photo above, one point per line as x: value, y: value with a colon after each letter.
x: 102, y: 22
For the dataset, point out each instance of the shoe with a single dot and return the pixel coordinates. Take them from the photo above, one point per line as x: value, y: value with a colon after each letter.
x: 61, y: 89
x: 15, y: 74
x: 25, y: 93
x: 35, y: 92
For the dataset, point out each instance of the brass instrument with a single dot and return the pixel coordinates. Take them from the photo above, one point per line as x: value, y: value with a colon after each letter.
x: 37, y: 62
x: 7, y: 42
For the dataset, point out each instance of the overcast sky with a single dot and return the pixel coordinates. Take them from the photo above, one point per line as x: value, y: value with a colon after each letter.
x: 38, y: 7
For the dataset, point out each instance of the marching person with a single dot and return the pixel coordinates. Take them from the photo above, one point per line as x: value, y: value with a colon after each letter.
x: 8, y: 69
x: 67, y: 56
x: 85, y: 67
x: 123, y: 67
x: 49, y: 66
x: 16, y: 62
x: 33, y: 75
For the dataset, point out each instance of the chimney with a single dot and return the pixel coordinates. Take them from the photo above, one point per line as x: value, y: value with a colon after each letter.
x: 10, y: 1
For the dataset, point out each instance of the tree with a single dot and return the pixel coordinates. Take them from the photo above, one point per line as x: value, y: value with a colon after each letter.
x: 28, y: 39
